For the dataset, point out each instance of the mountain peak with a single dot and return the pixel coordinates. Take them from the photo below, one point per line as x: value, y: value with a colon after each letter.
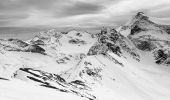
x: 141, y: 16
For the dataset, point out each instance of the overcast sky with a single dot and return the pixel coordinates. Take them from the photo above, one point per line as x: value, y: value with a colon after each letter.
x: 60, y: 13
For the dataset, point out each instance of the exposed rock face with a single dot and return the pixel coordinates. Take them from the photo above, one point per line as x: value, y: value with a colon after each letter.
x: 149, y: 36
x: 97, y: 49
x: 77, y: 41
x: 144, y: 45
x: 114, y: 42
x: 162, y: 57
x: 136, y: 29
x: 55, y: 81
x: 19, y: 45
x: 92, y: 72
x: 37, y: 42
x: 141, y: 23
x: 35, y: 49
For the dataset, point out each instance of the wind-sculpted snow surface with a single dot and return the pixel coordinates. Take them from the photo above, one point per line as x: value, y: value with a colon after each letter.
x: 128, y: 63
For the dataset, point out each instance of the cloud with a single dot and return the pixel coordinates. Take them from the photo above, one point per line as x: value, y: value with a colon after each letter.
x: 79, y: 8
x: 13, y: 17
x: 5, y: 22
x: 77, y: 12
x: 27, y: 4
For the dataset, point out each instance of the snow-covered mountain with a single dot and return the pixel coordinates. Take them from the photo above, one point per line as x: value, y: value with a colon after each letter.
x: 128, y: 63
x: 149, y: 36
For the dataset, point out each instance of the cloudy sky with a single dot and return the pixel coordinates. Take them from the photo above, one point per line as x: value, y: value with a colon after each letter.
x: 60, y: 13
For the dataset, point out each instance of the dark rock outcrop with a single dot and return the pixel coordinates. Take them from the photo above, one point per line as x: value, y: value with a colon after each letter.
x: 18, y: 42
x: 162, y: 57
x: 37, y: 42
x: 35, y: 49
x: 77, y: 41
x: 54, y: 81
x: 97, y: 49
x: 144, y: 45
x: 19, y: 45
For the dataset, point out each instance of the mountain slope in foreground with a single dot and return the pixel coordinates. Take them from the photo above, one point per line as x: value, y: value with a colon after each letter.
x: 128, y: 63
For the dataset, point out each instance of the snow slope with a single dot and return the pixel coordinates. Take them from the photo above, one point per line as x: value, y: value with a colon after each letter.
x: 130, y: 63
x: 19, y: 90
